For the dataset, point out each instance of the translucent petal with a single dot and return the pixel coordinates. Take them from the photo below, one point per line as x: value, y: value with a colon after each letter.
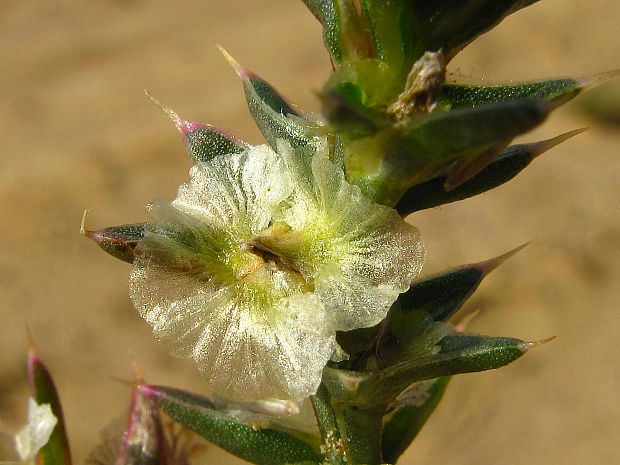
x: 257, y: 338
x: 33, y: 436
x: 236, y: 192
x: 360, y: 255
x: 251, y: 324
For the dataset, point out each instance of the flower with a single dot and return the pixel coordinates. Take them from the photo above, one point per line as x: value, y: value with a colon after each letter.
x: 260, y: 259
x: 24, y: 447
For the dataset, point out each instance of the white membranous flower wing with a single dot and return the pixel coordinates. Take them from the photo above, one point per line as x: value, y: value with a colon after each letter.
x: 359, y: 255
x: 259, y: 260
x: 254, y: 327
x: 31, y: 438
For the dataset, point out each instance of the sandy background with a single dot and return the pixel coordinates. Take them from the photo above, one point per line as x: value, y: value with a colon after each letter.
x: 76, y: 132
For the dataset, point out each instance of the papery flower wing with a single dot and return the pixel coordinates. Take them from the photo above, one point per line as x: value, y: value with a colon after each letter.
x: 251, y: 340
x: 359, y: 255
x: 251, y: 324
x: 33, y: 436
x: 378, y: 253
x: 236, y: 192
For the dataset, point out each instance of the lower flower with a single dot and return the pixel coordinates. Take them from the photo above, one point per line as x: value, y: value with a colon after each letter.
x: 25, y: 446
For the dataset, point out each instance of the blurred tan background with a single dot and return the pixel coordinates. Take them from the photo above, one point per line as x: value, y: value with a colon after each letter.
x: 76, y: 132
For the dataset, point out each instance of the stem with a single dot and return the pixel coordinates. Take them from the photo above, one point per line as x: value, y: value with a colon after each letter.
x: 328, y: 425
x: 350, y: 433
x: 362, y: 429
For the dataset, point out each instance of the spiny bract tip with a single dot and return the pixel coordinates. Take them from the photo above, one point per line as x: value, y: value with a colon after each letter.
x: 240, y: 70
x: 176, y: 119
x: 83, y: 230
x: 532, y: 345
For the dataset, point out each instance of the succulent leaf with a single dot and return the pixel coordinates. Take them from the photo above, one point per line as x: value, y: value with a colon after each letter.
x: 441, y: 296
x: 56, y: 450
x: 202, y: 141
x: 457, y: 354
x: 275, y: 118
x: 118, y: 241
x: 453, y: 96
x: 402, y: 425
x: 260, y: 445
x: 451, y: 24
x: 325, y: 11
x: 506, y: 166
x: 394, y: 161
x: 414, y: 325
x: 345, y: 32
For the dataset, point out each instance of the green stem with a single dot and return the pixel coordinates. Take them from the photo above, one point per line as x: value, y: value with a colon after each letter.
x: 328, y: 425
x: 351, y: 434
x: 362, y: 429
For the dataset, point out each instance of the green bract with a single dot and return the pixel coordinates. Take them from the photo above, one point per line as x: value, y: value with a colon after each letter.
x: 260, y: 259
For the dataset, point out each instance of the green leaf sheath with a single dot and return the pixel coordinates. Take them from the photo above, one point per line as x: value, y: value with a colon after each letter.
x: 458, y: 354
x: 426, y: 148
x: 262, y: 446
x: 453, y: 96
x: 118, y: 241
x: 402, y: 425
x: 511, y: 162
x: 56, y: 451
x: 351, y: 435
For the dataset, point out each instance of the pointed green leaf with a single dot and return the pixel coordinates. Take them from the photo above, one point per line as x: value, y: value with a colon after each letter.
x: 402, y: 425
x: 413, y: 325
x: 458, y: 354
x: 453, y: 96
x: 345, y: 33
x: 118, y: 241
x: 275, y: 118
x: 436, y: 141
x: 325, y: 11
x: 202, y: 141
x: 441, y: 296
x: 273, y: 445
x: 451, y: 24
x: 56, y: 451
x: 511, y: 162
